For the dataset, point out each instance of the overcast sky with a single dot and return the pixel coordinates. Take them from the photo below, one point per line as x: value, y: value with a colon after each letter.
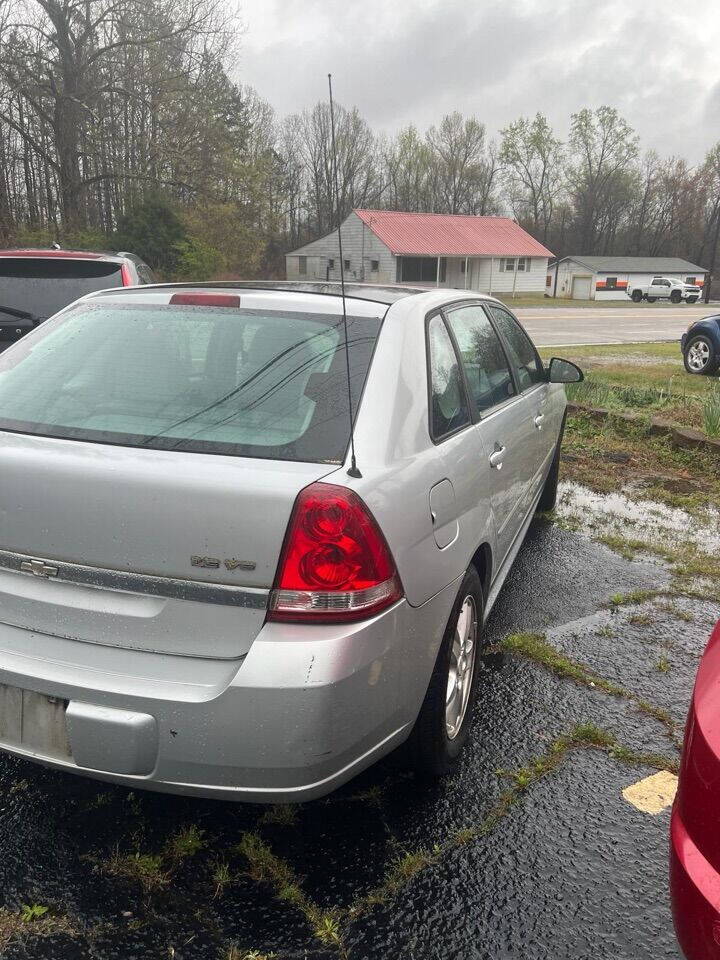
x: 411, y: 61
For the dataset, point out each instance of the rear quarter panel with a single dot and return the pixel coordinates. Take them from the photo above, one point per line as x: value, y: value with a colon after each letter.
x: 399, y: 462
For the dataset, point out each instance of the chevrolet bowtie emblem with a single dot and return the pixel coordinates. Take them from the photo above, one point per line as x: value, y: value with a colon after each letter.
x: 38, y: 568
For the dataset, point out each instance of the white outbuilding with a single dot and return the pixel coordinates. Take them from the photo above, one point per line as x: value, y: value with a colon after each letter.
x: 607, y: 278
x: 486, y: 254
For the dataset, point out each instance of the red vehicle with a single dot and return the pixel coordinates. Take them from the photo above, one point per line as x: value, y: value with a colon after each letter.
x: 35, y: 284
x: 695, y: 825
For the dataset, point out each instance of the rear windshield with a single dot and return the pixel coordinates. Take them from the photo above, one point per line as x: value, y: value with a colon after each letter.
x: 210, y: 380
x: 43, y: 285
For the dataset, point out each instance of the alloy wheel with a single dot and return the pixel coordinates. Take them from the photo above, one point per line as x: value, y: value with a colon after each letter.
x: 698, y: 356
x: 462, y: 667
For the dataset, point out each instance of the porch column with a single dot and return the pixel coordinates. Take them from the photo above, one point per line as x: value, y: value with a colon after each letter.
x: 437, y: 275
x: 492, y: 260
x: 466, y: 268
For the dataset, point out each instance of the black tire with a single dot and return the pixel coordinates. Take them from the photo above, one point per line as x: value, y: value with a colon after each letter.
x: 429, y: 750
x: 548, y: 497
x: 692, y: 299
x: 636, y: 296
x: 651, y: 299
x: 713, y: 359
x: 675, y: 296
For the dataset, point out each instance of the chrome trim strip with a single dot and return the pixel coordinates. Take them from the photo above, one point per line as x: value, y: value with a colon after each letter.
x: 171, y: 587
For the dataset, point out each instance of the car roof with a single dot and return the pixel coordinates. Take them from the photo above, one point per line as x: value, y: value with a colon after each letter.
x: 357, y: 291
x: 382, y: 294
x: 35, y: 253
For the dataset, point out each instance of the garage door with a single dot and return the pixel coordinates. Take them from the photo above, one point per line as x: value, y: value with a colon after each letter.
x: 581, y: 288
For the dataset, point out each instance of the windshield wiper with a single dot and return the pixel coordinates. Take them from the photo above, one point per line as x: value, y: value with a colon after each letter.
x: 20, y: 314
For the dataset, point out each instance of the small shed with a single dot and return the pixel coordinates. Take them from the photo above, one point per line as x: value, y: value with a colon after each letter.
x: 607, y: 278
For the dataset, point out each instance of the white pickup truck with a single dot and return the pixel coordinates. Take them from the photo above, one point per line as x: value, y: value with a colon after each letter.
x: 663, y: 288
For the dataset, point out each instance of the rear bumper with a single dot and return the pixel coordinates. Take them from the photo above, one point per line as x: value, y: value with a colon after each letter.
x: 304, y: 711
x: 695, y: 890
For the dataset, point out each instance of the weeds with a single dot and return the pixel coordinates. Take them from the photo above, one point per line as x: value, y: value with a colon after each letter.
x: 36, y: 917
x: 186, y: 843
x: 221, y: 878
x: 147, y: 869
x: 32, y: 912
x: 535, y: 647
x: 282, y: 815
x: 235, y: 953
x: 265, y: 867
x: 582, y: 736
x: 633, y: 597
x: 711, y: 413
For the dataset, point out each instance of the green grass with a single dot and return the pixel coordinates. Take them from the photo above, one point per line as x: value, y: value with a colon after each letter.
x: 540, y: 300
x: 711, y: 413
x: 644, y: 378
x: 688, y: 479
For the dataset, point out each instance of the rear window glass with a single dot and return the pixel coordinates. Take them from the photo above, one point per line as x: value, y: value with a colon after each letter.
x: 210, y: 380
x: 43, y: 285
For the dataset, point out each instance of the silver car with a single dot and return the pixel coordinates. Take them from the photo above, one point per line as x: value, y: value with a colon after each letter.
x: 200, y: 590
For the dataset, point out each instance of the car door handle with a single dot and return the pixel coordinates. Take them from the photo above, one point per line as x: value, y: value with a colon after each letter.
x: 538, y: 421
x: 496, y: 458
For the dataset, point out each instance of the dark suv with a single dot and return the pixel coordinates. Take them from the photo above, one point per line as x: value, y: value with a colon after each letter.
x: 35, y: 284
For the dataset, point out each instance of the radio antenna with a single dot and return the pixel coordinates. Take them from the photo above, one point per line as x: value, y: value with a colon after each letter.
x: 353, y: 471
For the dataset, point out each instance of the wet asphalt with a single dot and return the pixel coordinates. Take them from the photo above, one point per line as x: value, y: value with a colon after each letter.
x: 571, y: 870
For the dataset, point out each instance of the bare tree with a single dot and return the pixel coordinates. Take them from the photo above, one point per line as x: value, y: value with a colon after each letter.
x: 532, y: 160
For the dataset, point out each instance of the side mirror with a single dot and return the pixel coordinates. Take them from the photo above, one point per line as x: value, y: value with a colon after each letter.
x: 563, y: 371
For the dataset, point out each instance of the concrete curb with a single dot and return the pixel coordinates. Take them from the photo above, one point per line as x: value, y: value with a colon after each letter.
x: 683, y: 437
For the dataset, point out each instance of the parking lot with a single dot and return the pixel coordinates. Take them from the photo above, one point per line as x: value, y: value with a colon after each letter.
x: 530, y: 851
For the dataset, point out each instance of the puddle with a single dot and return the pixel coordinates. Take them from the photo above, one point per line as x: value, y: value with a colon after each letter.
x: 616, y: 513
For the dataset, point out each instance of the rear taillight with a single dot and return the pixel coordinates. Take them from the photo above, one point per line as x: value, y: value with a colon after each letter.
x: 335, y: 564
x: 125, y: 275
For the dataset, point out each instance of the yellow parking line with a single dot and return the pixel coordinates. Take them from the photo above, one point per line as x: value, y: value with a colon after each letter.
x: 653, y: 794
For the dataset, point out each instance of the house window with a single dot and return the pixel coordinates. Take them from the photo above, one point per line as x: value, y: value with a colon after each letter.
x: 346, y: 264
x: 422, y: 269
x: 302, y: 266
x: 511, y: 264
x: 691, y: 280
x: 611, y: 283
x: 548, y: 280
x: 374, y: 266
x: 331, y: 263
x: 462, y: 266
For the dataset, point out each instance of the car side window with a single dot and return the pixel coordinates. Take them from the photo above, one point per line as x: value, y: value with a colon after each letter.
x: 523, y: 355
x: 484, y: 361
x: 448, y: 403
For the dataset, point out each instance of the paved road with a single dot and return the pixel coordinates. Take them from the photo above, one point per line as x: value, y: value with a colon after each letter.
x: 553, y: 326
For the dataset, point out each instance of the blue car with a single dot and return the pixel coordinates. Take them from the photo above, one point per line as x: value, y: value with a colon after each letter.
x: 700, y: 345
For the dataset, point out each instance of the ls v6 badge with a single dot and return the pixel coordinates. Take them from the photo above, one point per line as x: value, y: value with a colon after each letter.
x: 213, y: 563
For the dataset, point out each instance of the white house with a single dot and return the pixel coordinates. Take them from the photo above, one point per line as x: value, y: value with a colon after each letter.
x: 607, y: 278
x: 488, y: 254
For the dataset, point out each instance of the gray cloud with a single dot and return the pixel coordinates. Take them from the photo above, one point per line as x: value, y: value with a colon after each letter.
x: 415, y: 61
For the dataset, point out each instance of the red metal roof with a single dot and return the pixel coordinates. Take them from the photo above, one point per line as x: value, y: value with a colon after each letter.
x: 451, y: 235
